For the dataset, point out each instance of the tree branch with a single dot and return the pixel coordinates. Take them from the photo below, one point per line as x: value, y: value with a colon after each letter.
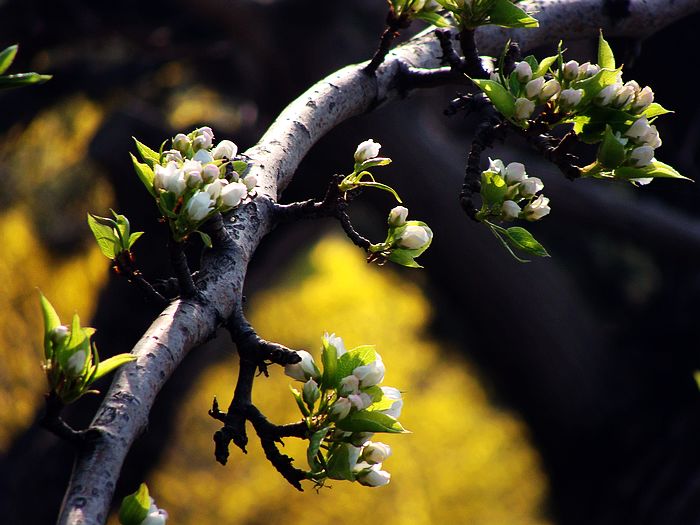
x: 187, y: 323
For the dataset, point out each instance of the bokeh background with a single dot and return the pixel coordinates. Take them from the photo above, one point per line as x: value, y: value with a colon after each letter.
x: 560, y: 391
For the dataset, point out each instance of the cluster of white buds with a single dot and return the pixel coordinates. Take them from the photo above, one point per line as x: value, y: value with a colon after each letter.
x: 628, y: 96
x: 520, y: 200
x: 643, y: 140
x: 196, y: 179
x: 346, y: 405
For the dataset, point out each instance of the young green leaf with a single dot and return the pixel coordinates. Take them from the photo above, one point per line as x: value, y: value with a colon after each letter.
x: 145, y: 174
x: 544, y: 66
x: 134, y: 507
x: 606, y: 58
x: 339, y: 464
x: 7, y: 56
x: 350, y: 360
x: 656, y: 169
x: 654, y: 110
x: 523, y: 240
x: 240, y: 166
x: 114, y: 362
x: 432, y: 18
x: 403, y: 257
x: 611, y: 152
x: 370, y: 421
x: 104, y: 235
x: 502, y: 100
x: 148, y: 156
x: 329, y: 359
x: 505, y: 14
x: 22, y: 79
x: 314, y: 446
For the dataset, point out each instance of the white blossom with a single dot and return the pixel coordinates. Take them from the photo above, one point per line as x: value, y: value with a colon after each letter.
x: 373, y: 476
x: 360, y: 401
x: 370, y: 374
x: 340, y: 409
x: 214, y: 188
x: 570, y: 98
x: 523, y: 108
x: 59, y: 334
x: 203, y: 156
x: 194, y: 179
x: 210, y: 173
x: 510, y: 210
x: 606, y: 95
x: 534, y: 87
x: 199, y: 206
x: 550, y: 89
x: 250, y: 181
x: 349, y: 385
x: 310, y: 392
x: 170, y: 178
x: 415, y: 237
x: 172, y: 155
x: 232, y: 194
x: 336, y: 342
x: 225, y: 148
x: 155, y: 515
x: 537, y: 208
x: 397, y: 216
x: 303, y: 370
x: 643, y: 99
x: 625, y: 95
x: 642, y: 156
x: 530, y: 186
x: 639, y: 129
x: 181, y: 142
x: 587, y: 70
x: 514, y: 172
x: 367, y: 150
x: 651, y: 138
x: 393, y: 394
x: 496, y: 165
x: 523, y: 71
x: 570, y: 70
x: 375, y: 452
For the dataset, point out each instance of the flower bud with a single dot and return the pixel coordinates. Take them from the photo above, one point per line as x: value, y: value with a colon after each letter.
x: 349, y: 385
x: 534, y: 87
x: 59, y: 335
x: 415, y: 237
x: 510, y: 210
x: 210, y: 173
x: 639, y: 129
x: 172, y: 155
x: 360, y: 401
x: 624, y: 96
x: 370, y: 374
x: 570, y: 70
x: 537, y: 209
x: 336, y: 342
x: 367, y: 150
x: 514, y: 172
x: 651, y: 138
x: 194, y: 179
x: 523, y: 72
x: 606, y: 95
x: 155, y: 515
x: 205, y: 131
x: 340, y: 409
x: 642, y: 156
x: 397, y: 216
x: 643, y: 100
x: 374, y: 476
x: 310, y: 393
x: 570, y: 98
x: 250, y: 181
x: 393, y: 394
x: 530, y: 186
x: 496, y: 165
x: 523, y: 108
x: 232, y: 194
x: 181, y: 143
x: 203, y: 156
x: 587, y: 70
x: 305, y: 369
x: 76, y: 363
x: 550, y: 89
x: 225, y: 148
x: 374, y: 453
x: 214, y: 189
x: 199, y: 206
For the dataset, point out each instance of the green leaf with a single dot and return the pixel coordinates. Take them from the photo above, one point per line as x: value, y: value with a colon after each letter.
x: 206, y: 239
x: 350, y: 360
x: 123, y: 230
x: 133, y: 238
x: 329, y: 359
x: 532, y: 62
x: 502, y: 100
x: 523, y: 240
x: 22, y: 79
x: 432, y: 18
x: 104, y: 235
x: 105, y: 367
x: 7, y: 56
x: 403, y: 257
x: 145, y: 174
x: 300, y: 402
x: 592, y: 86
x: 505, y: 14
x: 370, y: 421
x: 240, y: 166
x: 149, y: 156
x: 656, y: 169
x: 134, y: 507
x: 51, y: 321
x: 314, y: 446
x: 371, y: 163
x: 514, y: 84
x: 611, y: 152
x: 339, y: 464
x: 655, y: 110
x: 544, y: 66
x: 606, y: 58
x: 493, y: 188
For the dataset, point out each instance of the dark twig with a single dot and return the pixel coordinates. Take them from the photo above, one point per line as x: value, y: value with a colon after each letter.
x: 124, y: 265
x: 214, y: 227
x: 393, y: 25
x: 181, y: 269
x: 473, y: 66
x: 356, y: 238
x: 554, y: 150
x: 450, y: 57
x: 410, y: 77
x: 511, y: 57
x: 283, y: 464
x: 51, y: 420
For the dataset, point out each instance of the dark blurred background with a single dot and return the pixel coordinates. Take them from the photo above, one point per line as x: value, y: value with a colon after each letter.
x: 593, y: 349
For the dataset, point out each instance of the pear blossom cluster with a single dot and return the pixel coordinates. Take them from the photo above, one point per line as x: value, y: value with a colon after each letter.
x: 508, y: 193
x: 405, y: 239
x: 194, y: 179
x: 344, y: 405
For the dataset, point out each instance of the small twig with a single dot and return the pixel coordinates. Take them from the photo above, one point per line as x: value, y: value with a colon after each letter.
x: 181, y: 269
x: 449, y: 55
x: 356, y: 238
x: 283, y: 464
x: 51, y: 420
x: 552, y: 150
x: 124, y: 265
x: 393, y: 25
x: 410, y: 77
x: 473, y: 66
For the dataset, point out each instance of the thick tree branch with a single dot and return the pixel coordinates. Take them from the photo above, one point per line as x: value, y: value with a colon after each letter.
x: 188, y: 322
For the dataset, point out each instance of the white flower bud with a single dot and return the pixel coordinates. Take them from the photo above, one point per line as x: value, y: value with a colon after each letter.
x: 397, y: 216
x: 537, y: 209
x: 340, y: 409
x: 642, y: 156
x: 523, y: 108
x: 624, y: 96
x: 550, y: 89
x: 194, y: 179
x: 214, y: 189
x: 534, y: 87
x: 494, y: 76
x: 523, y: 71
x: 375, y: 452
x: 155, y: 515
x: 651, y: 138
x: 606, y: 95
x: 199, y: 206
x: 305, y: 369
x: 349, y: 385
x: 510, y: 210
x: 530, y: 186
x: 414, y: 237
x: 336, y: 342
x: 181, y: 142
x: 367, y: 150
x: 570, y: 98
x: 225, y: 148
x: 394, y: 394
x: 170, y: 178
x: 643, y: 100
x: 514, y: 172
x: 203, y: 156
x: 496, y: 165
x: 210, y: 173
x: 76, y: 363
x: 310, y: 392
x: 191, y: 165
x: 172, y: 155
x: 360, y: 401
x: 370, y: 374
x: 587, y: 70
x: 374, y: 476
x: 639, y: 129
x: 232, y: 194
x: 206, y: 131
x: 570, y: 70
x: 59, y: 334
x: 250, y: 181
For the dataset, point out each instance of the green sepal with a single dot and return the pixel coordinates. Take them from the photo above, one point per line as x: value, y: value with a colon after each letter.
x: 432, y: 18
x: 206, y: 239
x: 544, y: 66
x: 22, y: 79
x: 105, y: 367
x: 7, y: 56
x: 371, y: 163
x: 505, y: 14
x: 611, y: 152
x: 606, y: 58
x: 300, y: 402
x: 329, y: 359
x: 499, y: 96
x: 370, y: 421
x: 134, y: 507
x: 314, y: 446
x: 656, y: 169
x: 145, y: 174
x: 240, y: 166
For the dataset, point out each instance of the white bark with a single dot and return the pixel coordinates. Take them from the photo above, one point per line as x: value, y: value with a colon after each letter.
x: 184, y: 325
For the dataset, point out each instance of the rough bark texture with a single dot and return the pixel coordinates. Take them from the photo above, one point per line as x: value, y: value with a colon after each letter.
x: 187, y: 324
